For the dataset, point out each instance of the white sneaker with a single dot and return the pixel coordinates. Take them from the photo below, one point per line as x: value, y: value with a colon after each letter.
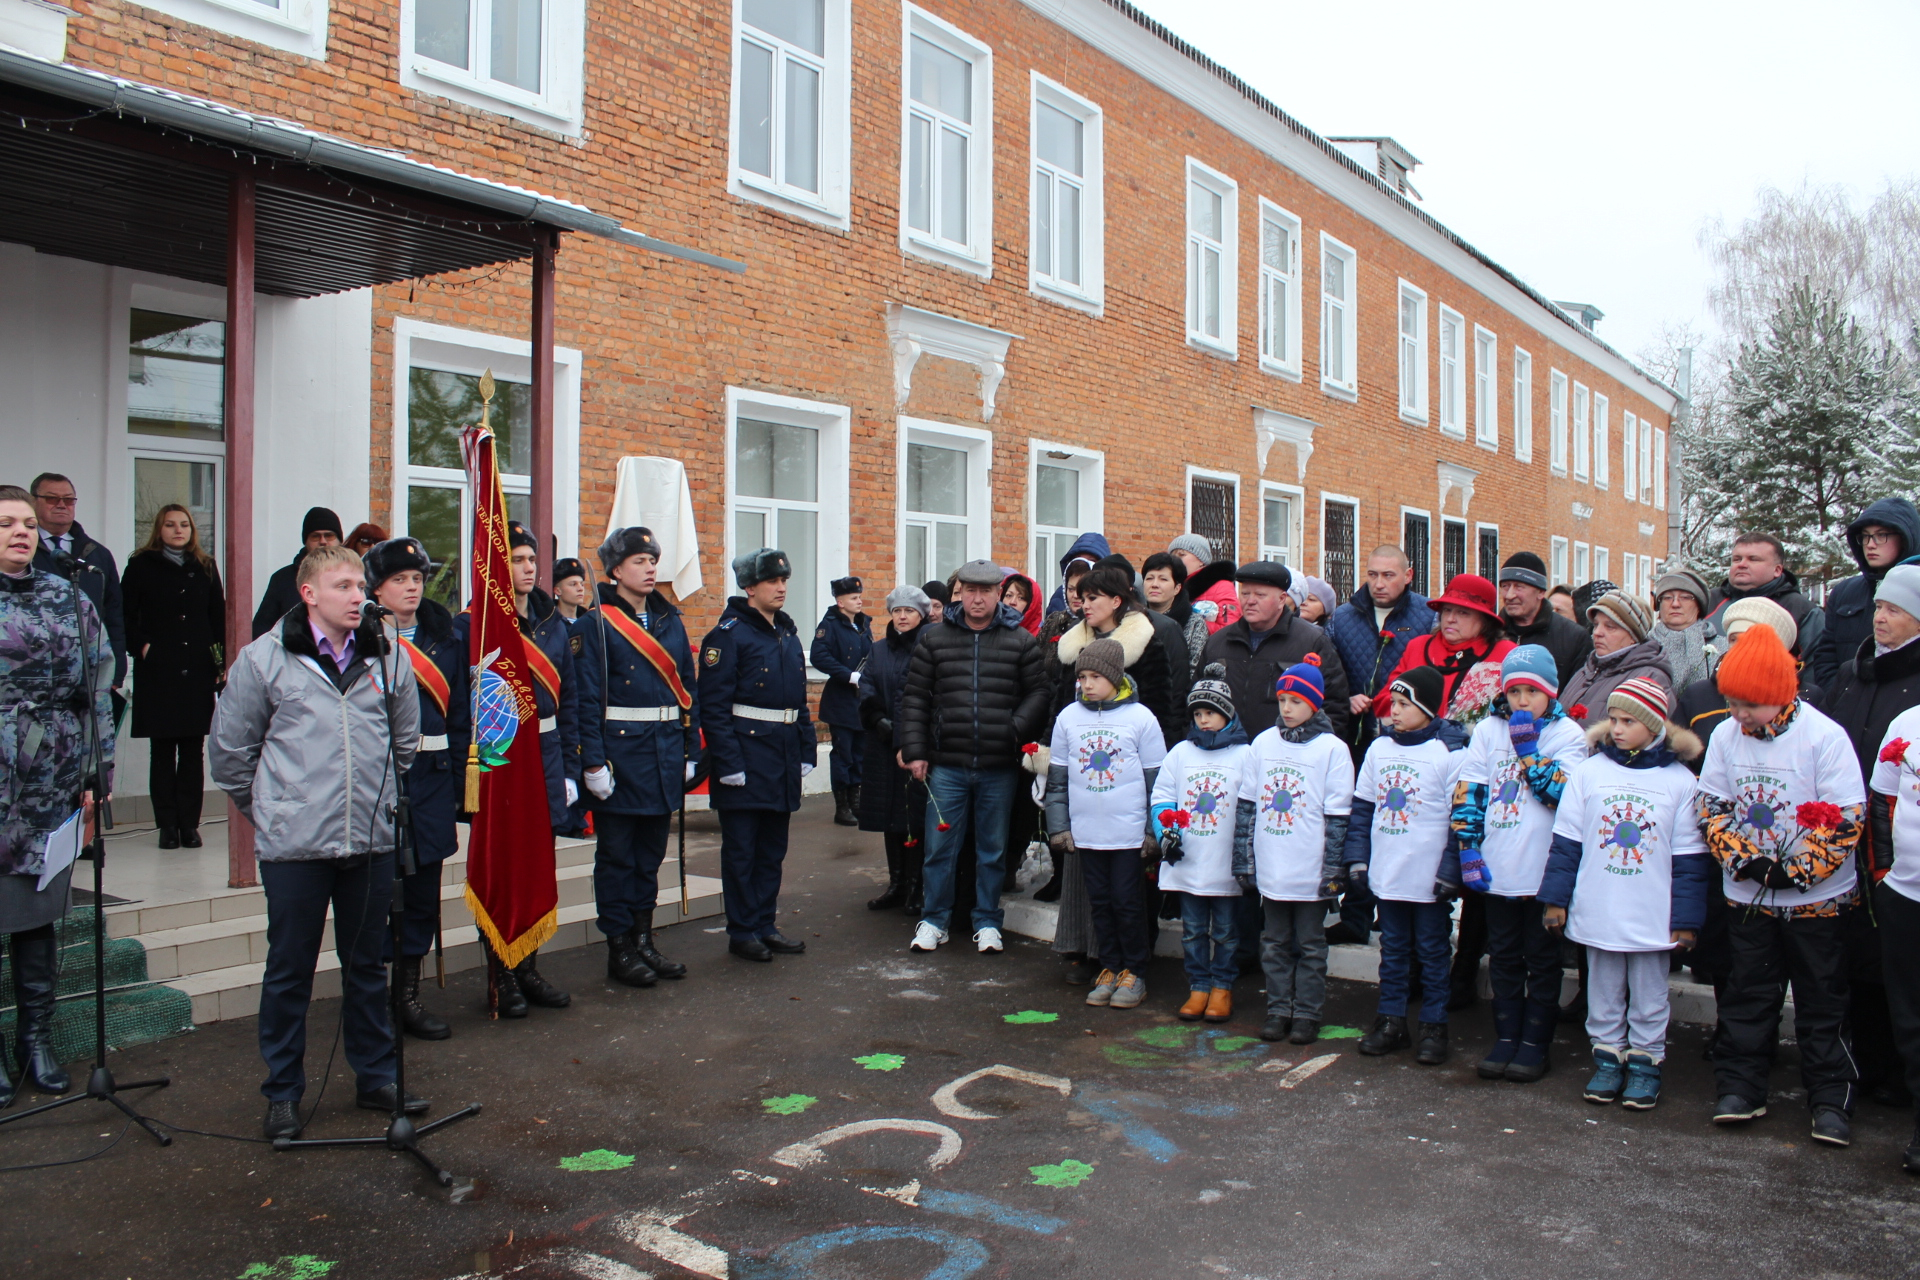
x: 926, y: 937
x: 988, y: 940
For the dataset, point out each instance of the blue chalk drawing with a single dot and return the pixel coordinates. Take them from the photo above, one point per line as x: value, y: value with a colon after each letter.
x: 966, y: 1205
x: 801, y: 1259
x: 1139, y: 1134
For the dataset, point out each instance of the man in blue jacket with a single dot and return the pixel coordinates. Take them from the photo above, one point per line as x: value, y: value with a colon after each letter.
x: 841, y: 644
x: 760, y: 744
x: 639, y: 737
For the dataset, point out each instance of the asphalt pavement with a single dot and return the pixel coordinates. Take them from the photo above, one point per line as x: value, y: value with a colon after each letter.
x: 862, y: 1113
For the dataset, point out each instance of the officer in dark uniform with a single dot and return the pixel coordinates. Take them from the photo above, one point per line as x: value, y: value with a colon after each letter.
x: 570, y: 591
x: 397, y: 573
x: 841, y: 644
x: 640, y: 737
x: 760, y: 744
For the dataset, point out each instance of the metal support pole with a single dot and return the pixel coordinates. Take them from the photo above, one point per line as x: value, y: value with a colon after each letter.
x: 545, y: 249
x: 238, y: 531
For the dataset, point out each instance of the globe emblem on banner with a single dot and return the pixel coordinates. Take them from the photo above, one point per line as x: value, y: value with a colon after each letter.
x: 496, y: 714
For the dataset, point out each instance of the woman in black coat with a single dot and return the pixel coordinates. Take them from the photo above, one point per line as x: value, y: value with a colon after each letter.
x: 890, y: 801
x: 176, y: 634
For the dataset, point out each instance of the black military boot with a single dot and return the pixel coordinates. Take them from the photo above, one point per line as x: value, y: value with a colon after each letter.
x: 895, y: 892
x: 536, y: 988
x: 36, y: 975
x: 624, y: 963
x: 843, y: 808
x: 507, y: 1000
x: 913, y: 857
x: 418, y: 1020
x: 853, y: 801
x: 643, y: 943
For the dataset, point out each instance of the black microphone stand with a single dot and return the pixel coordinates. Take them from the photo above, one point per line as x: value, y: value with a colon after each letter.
x: 402, y: 1133
x: 101, y: 1085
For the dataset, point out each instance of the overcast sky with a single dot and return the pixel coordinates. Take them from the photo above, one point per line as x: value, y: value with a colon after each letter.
x: 1584, y: 146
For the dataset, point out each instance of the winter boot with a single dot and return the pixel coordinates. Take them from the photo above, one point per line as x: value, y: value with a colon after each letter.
x: 537, y: 989
x: 843, y: 808
x: 36, y: 974
x: 505, y: 997
x: 1389, y: 1033
x: 895, y: 892
x: 415, y: 1018
x: 1507, y: 1015
x: 1219, y: 1004
x: 624, y: 963
x: 1433, y: 1044
x: 1533, y: 1058
x: 1643, y: 1082
x: 913, y: 858
x: 1050, y: 891
x: 1609, y: 1075
x: 1194, y: 1008
x: 643, y: 942
x: 853, y: 801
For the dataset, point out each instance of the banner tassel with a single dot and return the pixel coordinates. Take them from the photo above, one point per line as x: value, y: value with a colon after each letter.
x: 473, y: 778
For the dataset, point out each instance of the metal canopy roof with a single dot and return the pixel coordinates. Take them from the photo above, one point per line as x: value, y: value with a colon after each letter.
x: 106, y: 170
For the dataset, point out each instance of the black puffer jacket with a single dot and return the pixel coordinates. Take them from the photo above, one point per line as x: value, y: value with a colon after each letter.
x: 1783, y: 591
x: 974, y: 698
x: 1868, y: 692
x: 1850, y: 601
x: 1570, y: 643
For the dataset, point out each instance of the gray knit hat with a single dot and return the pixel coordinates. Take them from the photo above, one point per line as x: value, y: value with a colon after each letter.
x: 1901, y: 588
x: 1628, y: 611
x: 1194, y: 545
x: 1103, y: 657
x: 1212, y: 690
x: 908, y: 596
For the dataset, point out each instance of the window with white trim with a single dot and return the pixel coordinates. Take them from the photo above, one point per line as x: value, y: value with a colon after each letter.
x: 1489, y: 552
x: 1339, y: 317
x: 1630, y: 456
x: 946, y: 145
x: 1601, y: 445
x: 1067, y: 494
x: 1453, y: 379
x: 1213, y: 237
x: 176, y: 418
x: 1066, y: 260
x: 523, y: 58
x: 1647, y: 478
x: 1279, y: 290
x: 1340, y: 543
x: 1602, y: 562
x: 945, y: 504
x: 1522, y: 405
x: 791, y: 115
x: 1660, y: 470
x: 787, y: 488
x: 1416, y: 539
x: 1486, y: 394
x: 1630, y: 575
x: 1582, y: 431
x: 1559, y: 562
x: 1413, y: 353
x: 1280, y: 515
x: 1582, y: 563
x: 1557, y: 421
x: 1213, y: 510
x: 1453, y: 549
x: 1647, y: 578
x: 297, y: 26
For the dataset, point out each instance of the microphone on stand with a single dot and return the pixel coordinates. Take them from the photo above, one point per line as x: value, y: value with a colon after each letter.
x: 373, y: 610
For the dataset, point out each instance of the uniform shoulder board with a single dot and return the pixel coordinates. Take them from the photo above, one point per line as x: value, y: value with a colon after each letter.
x: 727, y: 625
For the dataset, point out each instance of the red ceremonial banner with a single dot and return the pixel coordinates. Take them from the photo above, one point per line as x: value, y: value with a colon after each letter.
x: 511, y: 886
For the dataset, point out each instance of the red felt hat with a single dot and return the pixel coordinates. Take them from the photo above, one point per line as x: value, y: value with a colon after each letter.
x: 1470, y: 591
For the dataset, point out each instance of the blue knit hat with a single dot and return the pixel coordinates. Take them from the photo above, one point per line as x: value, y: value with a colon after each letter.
x: 1531, y: 664
x: 1303, y: 680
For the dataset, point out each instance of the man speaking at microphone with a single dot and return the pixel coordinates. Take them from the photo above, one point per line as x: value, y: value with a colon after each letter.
x: 301, y: 742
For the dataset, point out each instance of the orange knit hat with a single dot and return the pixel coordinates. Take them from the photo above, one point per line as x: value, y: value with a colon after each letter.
x: 1758, y: 669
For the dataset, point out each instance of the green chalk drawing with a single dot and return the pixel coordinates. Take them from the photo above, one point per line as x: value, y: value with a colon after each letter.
x: 293, y: 1266
x: 791, y: 1105
x: 1121, y: 1056
x: 595, y: 1161
x: 1165, y: 1037
x: 1178, y: 1048
x: 1341, y: 1033
x: 882, y: 1062
x: 1030, y: 1015
x: 1229, y: 1043
x: 1068, y: 1173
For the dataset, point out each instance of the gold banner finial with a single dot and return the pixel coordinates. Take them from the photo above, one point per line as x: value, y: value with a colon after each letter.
x: 486, y: 399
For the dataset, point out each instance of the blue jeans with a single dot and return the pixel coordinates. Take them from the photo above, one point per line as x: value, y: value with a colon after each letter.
x: 1407, y: 927
x: 1210, y: 934
x: 963, y: 798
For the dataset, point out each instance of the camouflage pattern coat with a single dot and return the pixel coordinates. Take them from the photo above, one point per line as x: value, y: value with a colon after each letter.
x: 48, y: 634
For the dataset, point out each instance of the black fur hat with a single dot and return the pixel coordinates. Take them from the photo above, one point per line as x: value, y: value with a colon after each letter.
x: 518, y: 535
x: 395, y: 555
x: 634, y: 540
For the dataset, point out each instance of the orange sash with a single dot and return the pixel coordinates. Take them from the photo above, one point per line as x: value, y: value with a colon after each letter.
x: 650, y: 649
x: 543, y: 670
x: 432, y: 681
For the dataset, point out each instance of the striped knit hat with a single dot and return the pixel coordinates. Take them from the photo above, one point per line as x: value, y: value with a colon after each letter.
x: 1643, y: 699
x: 1303, y: 680
x: 1628, y: 612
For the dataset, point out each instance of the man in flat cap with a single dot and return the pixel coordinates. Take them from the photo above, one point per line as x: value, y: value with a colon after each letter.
x: 841, y: 644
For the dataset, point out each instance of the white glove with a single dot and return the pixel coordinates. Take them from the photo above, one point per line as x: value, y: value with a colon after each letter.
x: 854, y: 679
x: 600, y: 782
x: 692, y: 768
x: 805, y: 769
x: 573, y: 792
x: 734, y: 780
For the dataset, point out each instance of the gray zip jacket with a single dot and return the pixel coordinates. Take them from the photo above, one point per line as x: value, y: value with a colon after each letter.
x: 303, y: 755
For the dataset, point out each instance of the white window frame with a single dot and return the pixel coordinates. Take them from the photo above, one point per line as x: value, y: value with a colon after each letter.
x: 1400, y: 536
x: 1582, y: 563
x: 977, y: 443
x: 1582, y: 431
x: 1452, y: 393
x: 1602, y: 563
x: 1630, y: 575
x: 557, y: 107
x: 1091, y: 293
x: 1649, y: 480
x: 1286, y: 362
x: 1629, y: 456
x: 832, y: 205
x: 1557, y: 422
x: 1224, y: 477
x: 1092, y: 466
x: 976, y: 255
x: 1647, y: 575
x: 419, y: 345
x: 1296, y: 524
x: 1486, y: 388
x: 1342, y: 590
x: 297, y: 26
x: 1660, y: 469
x: 832, y: 498
x: 1412, y: 350
x: 1522, y: 405
x: 1228, y: 343
x: 1602, y: 425
x: 1347, y: 313
x: 1558, y: 564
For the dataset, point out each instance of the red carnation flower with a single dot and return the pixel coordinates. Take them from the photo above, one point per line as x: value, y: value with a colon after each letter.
x: 1184, y: 817
x: 913, y: 844
x: 946, y: 826
x: 1031, y: 749
x: 1386, y: 635
x: 1818, y: 815
x: 1578, y: 711
x: 1895, y: 752
x: 1169, y: 817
